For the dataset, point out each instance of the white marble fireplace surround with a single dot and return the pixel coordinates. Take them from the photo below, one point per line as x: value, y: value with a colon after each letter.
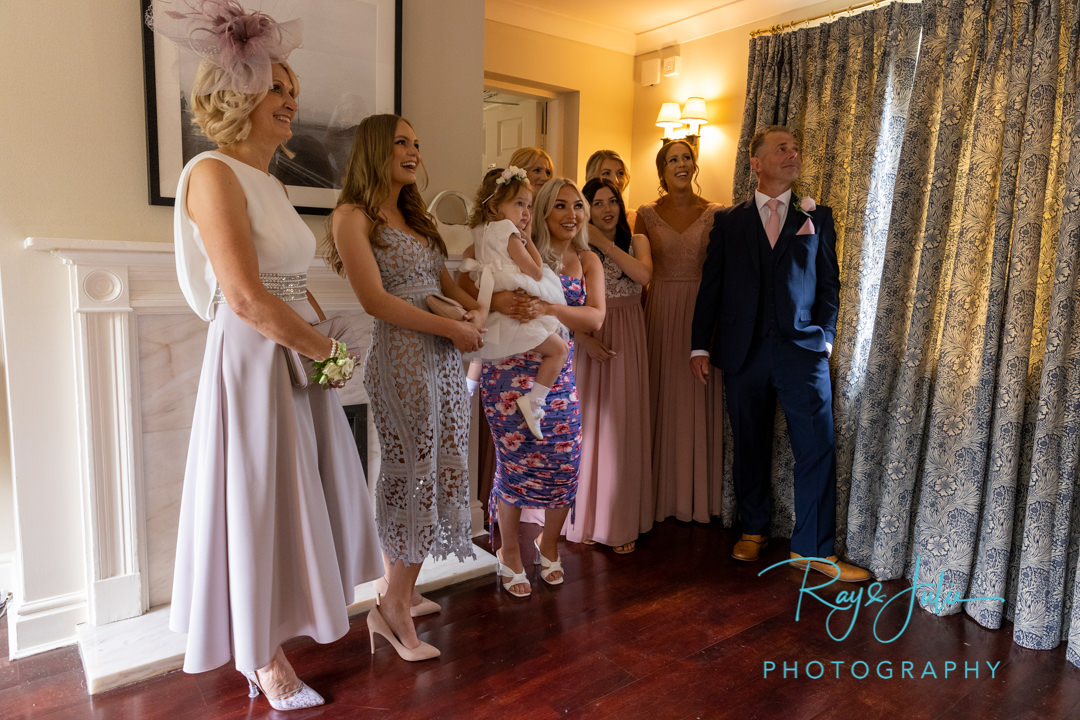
x: 138, y: 351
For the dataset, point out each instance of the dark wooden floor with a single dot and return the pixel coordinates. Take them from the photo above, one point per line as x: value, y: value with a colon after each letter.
x: 675, y: 630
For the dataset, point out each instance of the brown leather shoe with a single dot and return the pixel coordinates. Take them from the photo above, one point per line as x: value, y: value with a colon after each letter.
x: 847, y: 571
x: 749, y: 547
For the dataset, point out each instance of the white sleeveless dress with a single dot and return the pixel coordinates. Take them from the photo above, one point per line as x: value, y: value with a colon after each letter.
x: 275, y: 528
x: 506, y: 336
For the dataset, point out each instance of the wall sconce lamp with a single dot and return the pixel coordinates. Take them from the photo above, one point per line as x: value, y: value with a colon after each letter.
x: 672, y: 119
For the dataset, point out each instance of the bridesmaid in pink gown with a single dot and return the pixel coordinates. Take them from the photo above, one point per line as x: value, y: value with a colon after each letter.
x: 687, y: 419
x: 615, y: 489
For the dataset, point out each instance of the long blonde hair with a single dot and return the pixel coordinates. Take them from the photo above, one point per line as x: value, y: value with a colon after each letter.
x: 545, y: 203
x: 367, y: 186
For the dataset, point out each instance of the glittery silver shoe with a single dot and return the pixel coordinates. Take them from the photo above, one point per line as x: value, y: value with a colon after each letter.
x: 301, y: 697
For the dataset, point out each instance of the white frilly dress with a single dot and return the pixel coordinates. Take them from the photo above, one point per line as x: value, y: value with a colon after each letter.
x: 276, y: 528
x: 492, y: 271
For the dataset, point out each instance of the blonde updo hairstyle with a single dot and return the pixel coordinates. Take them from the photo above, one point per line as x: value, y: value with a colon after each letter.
x: 492, y: 194
x: 596, y: 161
x: 542, y: 207
x: 526, y: 157
x: 224, y: 116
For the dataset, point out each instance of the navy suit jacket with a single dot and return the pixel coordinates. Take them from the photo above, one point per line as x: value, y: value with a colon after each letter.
x: 807, y: 285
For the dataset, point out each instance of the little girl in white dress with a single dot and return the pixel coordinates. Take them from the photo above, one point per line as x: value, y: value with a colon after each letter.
x: 507, y: 259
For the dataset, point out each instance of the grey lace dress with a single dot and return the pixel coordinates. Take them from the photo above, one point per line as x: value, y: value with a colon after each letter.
x: 420, y: 405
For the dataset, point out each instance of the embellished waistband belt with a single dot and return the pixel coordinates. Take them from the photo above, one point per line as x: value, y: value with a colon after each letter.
x: 290, y: 287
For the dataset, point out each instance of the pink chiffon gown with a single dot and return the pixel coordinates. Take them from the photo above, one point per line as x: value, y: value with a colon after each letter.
x: 687, y: 417
x: 615, y: 499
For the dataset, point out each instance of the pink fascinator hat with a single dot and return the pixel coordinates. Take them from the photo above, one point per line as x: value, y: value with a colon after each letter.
x: 243, y: 44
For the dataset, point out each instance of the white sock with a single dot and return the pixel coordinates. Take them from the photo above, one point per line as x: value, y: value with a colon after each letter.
x: 472, y: 385
x: 538, y: 394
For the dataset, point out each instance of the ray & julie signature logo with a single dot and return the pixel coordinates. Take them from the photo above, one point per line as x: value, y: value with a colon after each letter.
x: 844, y: 611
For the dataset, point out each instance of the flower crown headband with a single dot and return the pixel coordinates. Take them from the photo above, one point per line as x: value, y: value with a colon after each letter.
x: 508, y: 176
x: 243, y: 44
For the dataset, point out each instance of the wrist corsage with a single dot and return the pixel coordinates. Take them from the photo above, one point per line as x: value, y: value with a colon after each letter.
x: 335, y: 370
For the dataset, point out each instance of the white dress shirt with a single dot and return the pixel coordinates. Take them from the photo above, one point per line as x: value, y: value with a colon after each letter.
x: 761, y: 198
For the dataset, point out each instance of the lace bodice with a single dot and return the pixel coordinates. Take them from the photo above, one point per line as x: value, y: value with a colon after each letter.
x: 616, y: 283
x: 410, y: 269
x: 677, y: 255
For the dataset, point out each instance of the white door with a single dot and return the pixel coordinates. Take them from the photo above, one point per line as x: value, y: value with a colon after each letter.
x: 510, y: 122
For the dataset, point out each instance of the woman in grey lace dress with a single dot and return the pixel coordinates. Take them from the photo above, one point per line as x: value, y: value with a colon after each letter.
x: 382, y: 239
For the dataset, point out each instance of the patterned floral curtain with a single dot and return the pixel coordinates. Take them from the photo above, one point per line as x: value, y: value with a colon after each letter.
x: 845, y: 87
x: 958, y: 355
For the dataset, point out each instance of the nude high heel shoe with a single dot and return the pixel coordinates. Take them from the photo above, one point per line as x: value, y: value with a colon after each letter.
x: 377, y: 625
x: 424, y: 607
x: 301, y: 697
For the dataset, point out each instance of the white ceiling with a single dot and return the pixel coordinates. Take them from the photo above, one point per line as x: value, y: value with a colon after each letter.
x: 633, y: 16
x: 641, y: 26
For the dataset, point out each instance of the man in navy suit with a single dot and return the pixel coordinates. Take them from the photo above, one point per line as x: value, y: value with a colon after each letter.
x: 766, y: 316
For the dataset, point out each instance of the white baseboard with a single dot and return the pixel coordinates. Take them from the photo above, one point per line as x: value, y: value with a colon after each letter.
x: 45, y: 624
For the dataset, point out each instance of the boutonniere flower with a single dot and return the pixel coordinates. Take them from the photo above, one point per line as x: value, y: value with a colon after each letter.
x: 805, y: 204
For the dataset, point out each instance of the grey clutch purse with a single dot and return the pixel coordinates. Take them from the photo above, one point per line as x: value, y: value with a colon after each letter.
x: 301, y: 367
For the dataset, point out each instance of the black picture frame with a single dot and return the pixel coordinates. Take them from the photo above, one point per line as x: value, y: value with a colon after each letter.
x: 349, y: 67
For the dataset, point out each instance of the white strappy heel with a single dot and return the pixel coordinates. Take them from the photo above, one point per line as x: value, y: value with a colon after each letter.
x: 509, y: 578
x: 547, y: 567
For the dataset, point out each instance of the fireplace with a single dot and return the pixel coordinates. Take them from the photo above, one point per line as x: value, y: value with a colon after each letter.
x: 138, y: 351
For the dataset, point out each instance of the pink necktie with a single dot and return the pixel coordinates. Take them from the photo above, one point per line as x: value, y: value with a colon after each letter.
x: 772, y: 225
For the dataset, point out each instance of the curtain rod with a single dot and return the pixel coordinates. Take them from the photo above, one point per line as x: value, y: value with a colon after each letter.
x: 789, y: 25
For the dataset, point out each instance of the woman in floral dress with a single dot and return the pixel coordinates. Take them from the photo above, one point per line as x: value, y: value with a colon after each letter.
x: 531, y: 473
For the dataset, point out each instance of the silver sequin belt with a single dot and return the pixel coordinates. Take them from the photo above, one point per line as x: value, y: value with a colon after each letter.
x: 290, y: 287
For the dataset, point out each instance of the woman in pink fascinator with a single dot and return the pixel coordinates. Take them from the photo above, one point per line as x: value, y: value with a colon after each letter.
x: 275, y: 527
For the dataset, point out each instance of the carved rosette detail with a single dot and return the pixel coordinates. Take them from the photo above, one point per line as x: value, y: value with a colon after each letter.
x: 102, y: 286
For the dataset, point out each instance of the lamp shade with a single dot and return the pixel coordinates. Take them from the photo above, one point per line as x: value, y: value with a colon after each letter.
x: 695, y: 110
x: 669, y: 116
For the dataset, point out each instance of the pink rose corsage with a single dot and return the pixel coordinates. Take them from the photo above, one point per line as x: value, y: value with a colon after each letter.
x: 806, y: 206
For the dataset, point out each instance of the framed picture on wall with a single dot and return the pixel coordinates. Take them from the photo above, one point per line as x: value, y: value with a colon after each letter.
x: 349, y: 67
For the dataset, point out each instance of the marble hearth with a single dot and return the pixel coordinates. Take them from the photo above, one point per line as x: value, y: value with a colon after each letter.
x: 138, y: 350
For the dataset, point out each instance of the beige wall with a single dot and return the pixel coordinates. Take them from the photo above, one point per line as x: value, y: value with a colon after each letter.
x: 714, y: 68
x: 603, y: 79
x: 73, y: 164
x: 445, y: 107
